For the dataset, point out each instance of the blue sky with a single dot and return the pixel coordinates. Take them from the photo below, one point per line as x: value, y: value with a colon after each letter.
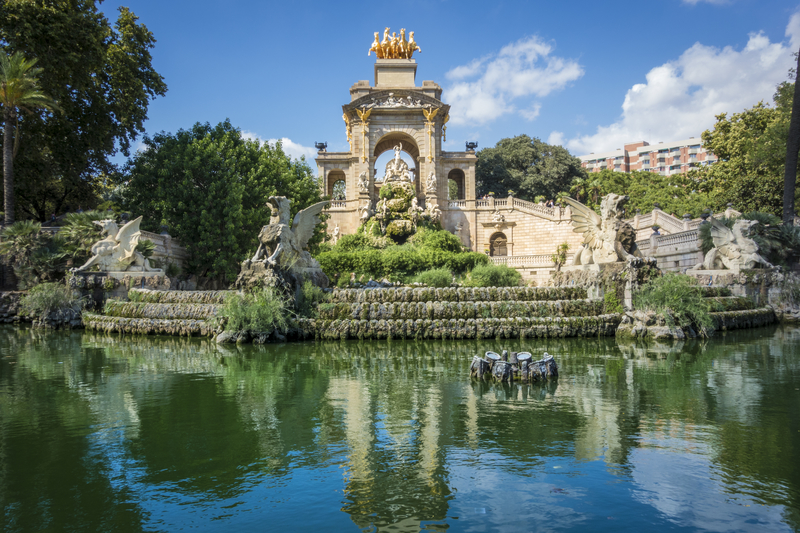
x: 588, y: 75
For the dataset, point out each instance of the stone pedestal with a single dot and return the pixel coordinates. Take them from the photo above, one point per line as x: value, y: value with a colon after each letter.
x: 395, y: 73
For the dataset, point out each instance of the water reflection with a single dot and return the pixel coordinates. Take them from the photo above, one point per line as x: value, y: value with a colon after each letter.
x: 145, y: 433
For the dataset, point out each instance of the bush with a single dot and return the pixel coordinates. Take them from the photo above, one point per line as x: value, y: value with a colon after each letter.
x: 261, y: 311
x: 676, y: 295
x: 308, y: 299
x: 440, y: 240
x: 493, y: 276
x: 146, y: 247
x: 45, y: 298
x: 611, y: 303
x: 439, y: 277
x: 33, y: 255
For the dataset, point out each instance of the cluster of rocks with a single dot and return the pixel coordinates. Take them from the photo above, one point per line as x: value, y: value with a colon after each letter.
x: 652, y: 325
x: 9, y: 306
x: 146, y: 326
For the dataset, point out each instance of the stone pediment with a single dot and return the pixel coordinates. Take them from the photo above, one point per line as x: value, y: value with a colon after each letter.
x: 399, y: 99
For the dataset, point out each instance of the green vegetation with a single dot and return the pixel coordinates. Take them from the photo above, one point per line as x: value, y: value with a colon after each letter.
x: 101, y: 75
x: 676, y: 296
x: 308, y: 298
x: 260, y: 311
x: 526, y: 165
x: 370, y: 256
x: 436, y: 277
x: 19, y: 91
x: 611, y: 303
x: 45, y: 298
x: 33, y: 254
x: 493, y: 276
x: 560, y: 257
x: 209, y: 184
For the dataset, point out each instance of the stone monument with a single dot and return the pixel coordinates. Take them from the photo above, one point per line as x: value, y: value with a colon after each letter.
x: 732, y: 250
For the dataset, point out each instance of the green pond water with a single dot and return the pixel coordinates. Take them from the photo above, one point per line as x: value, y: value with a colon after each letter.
x: 107, y: 433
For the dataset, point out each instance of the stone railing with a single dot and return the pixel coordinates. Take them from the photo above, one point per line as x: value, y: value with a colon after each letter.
x: 669, y: 224
x: 522, y: 261
x: 675, y: 252
x: 490, y: 204
x: 340, y: 204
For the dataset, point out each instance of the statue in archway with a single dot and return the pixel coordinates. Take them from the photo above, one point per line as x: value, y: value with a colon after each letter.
x: 430, y: 186
x: 396, y: 168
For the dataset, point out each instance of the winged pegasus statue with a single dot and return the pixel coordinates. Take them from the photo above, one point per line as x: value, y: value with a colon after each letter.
x: 732, y: 248
x: 117, y: 251
x: 283, y: 246
x: 606, y: 238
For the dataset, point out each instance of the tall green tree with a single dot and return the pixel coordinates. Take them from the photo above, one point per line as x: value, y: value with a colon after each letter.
x: 792, y: 149
x: 211, y: 186
x: 19, y: 91
x: 103, y: 79
x: 527, y: 166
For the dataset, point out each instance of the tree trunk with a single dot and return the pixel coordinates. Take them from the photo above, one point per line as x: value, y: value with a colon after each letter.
x: 792, y: 148
x: 8, y: 167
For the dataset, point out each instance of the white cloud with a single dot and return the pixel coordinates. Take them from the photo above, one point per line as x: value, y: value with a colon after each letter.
x: 682, y: 97
x: 793, y: 31
x: 519, y: 70
x: 290, y: 148
x: 556, y: 138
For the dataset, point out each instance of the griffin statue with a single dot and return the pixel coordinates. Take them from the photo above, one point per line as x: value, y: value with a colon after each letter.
x: 606, y: 238
x: 117, y: 251
x: 732, y: 248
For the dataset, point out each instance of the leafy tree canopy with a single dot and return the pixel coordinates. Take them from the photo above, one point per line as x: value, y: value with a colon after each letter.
x: 676, y: 194
x: 102, y: 78
x: 211, y: 186
x: 527, y: 166
x: 751, y: 147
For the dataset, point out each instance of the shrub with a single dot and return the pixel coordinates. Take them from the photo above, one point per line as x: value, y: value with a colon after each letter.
x: 173, y: 270
x: 439, y: 277
x: 440, y: 240
x: 309, y: 297
x: 146, y: 247
x: 33, y: 255
x: 45, y: 298
x: 679, y: 295
x: 261, y: 311
x: 611, y: 303
x: 349, y: 243
x: 493, y: 276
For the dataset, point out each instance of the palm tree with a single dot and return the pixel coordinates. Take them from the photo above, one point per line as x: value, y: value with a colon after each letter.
x: 19, y: 91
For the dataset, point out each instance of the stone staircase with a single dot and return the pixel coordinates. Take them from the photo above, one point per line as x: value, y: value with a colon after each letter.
x: 459, y: 313
x: 737, y: 312
x: 159, y: 312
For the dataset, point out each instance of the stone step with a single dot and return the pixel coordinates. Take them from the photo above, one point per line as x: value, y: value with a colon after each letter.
x: 479, y: 328
x: 448, y: 310
x: 146, y: 326
x: 752, y: 318
x: 460, y: 294
x: 178, y: 297
x: 731, y: 303
x: 711, y: 292
x: 191, y: 311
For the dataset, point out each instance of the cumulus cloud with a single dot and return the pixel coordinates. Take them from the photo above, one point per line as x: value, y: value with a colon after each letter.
x: 487, y: 88
x: 290, y: 148
x: 682, y: 97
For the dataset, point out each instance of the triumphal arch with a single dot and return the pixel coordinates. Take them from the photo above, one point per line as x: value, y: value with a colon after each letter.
x: 396, y: 114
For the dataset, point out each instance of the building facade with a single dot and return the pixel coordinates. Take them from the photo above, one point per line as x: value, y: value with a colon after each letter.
x: 664, y: 158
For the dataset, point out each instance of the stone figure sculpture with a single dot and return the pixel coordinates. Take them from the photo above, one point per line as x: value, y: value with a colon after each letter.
x: 396, y: 168
x: 117, y: 251
x: 732, y: 248
x: 497, y: 216
x: 335, y: 236
x: 430, y: 184
x: 366, y: 210
x: 606, y: 238
x: 282, y: 246
x: 415, y: 208
x: 363, y: 182
x: 394, y: 47
x: 433, y: 212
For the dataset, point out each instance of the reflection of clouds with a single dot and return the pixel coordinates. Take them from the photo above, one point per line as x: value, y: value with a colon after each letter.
x: 683, y: 487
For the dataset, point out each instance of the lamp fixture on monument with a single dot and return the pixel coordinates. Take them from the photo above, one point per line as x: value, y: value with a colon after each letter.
x: 471, y: 145
x: 321, y: 147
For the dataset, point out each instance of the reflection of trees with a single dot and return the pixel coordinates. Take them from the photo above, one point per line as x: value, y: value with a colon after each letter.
x: 200, y: 418
x: 52, y: 475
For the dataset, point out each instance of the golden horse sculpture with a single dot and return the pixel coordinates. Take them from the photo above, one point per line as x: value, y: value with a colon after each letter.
x: 394, y: 47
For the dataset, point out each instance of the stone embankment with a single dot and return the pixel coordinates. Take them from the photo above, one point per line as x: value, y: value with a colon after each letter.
x: 731, y: 312
x: 9, y: 306
x: 159, y: 312
x: 458, y: 313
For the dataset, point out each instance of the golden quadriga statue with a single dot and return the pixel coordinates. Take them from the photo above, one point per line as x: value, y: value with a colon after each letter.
x: 394, y: 47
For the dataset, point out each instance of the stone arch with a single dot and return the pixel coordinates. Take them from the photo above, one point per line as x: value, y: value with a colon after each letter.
x: 498, y: 244
x: 457, y: 176
x: 410, y: 146
x: 335, y: 176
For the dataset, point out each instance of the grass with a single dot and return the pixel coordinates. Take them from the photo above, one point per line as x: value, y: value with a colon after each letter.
x: 46, y: 298
x: 261, y: 311
x: 676, y: 295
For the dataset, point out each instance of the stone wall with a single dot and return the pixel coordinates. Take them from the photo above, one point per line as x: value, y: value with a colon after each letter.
x: 675, y: 252
x: 9, y: 306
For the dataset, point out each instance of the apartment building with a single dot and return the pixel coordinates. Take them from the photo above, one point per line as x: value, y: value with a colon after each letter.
x: 665, y: 158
